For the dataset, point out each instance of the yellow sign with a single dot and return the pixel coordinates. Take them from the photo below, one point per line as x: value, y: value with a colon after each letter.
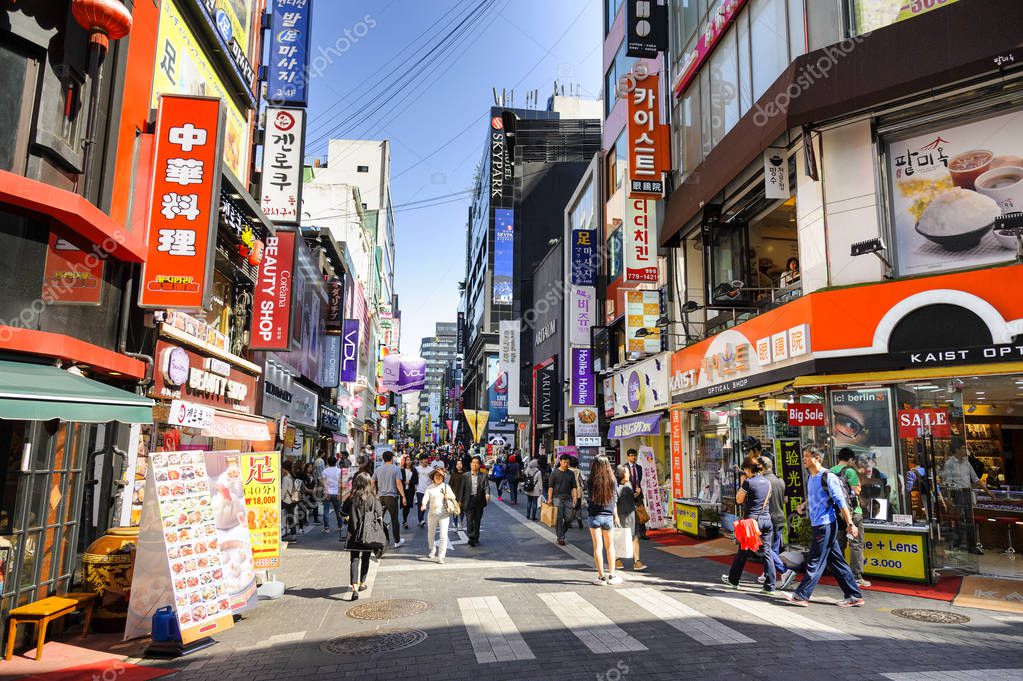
x: 262, y: 474
x: 477, y: 422
x: 239, y: 14
x: 183, y: 68
x: 902, y: 556
x: 687, y: 519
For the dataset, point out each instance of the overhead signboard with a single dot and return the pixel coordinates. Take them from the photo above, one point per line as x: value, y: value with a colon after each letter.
x: 183, y: 205
x: 288, y: 57
x: 271, y: 305
x: 281, y: 179
x: 649, y: 141
x: 646, y: 27
x: 640, y: 241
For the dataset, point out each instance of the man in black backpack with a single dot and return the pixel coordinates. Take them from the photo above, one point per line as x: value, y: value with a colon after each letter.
x: 850, y: 480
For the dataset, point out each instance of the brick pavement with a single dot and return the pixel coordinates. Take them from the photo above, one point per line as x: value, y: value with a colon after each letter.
x: 674, y: 610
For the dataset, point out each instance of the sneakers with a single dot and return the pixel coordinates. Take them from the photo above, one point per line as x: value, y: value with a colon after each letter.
x: 601, y: 580
x: 422, y: 523
x: 726, y: 580
x: 619, y: 565
x: 850, y: 602
x: 613, y: 579
x: 787, y: 578
x: 500, y: 498
x: 761, y: 579
x: 638, y: 565
x: 862, y: 582
x: 796, y: 600
x: 399, y: 543
x: 440, y: 560
x: 326, y: 530
x: 404, y: 526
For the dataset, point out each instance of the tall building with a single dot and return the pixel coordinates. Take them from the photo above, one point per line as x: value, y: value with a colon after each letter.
x: 439, y: 351
x: 531, y: 163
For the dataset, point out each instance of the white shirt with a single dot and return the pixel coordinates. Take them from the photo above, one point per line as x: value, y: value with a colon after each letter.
x: 424, y: 478
x: 959, y: 473
x: 332, y: 480
x: 433, y: 499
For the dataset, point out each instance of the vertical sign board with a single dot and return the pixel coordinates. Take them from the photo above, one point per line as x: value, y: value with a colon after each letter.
x: 509, y: 360
x: 261, y: 475
x: 333, y: 323
x: 287, y: 79
x: 649, y: 145
x: 584, y: 388
x: 584, y: 257
x: 642, y: 310
x: 271, y: 304
x: 231, y: 517
x: 281, y: 184
x: 640, y: 237
x: 646, y: 28
x: 677, y: 486
x: 350, y: 351
x: 183, y: 206
x: 546, y: 395
x: 788, y: 463
x: 504, y: 253
x: 582, y: 313
x: 330, y: 361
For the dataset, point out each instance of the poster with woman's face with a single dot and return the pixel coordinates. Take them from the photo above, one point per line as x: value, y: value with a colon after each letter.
x: 862, y: 421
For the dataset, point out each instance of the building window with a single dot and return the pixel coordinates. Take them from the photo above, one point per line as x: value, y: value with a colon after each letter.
x: 769, y: 29
x: 362, y: 169
x: 611, y: 8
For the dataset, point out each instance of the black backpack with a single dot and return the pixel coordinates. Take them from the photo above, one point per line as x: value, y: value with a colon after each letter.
x: 530, y: 483
x: 850, y: 498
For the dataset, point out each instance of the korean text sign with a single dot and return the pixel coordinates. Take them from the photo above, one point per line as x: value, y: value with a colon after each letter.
x: 287, y: 79
x: 648, y: 139
x: 261, y: 475
x: 281, y: 184
x: 183, y: 206
x: 640, y: 235
x: 271, y: 306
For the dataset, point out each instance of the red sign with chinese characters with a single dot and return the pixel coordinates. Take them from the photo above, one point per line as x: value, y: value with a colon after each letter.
x: 806, y: 415
x: 677, y: 486
x: 649, y: 156
x: 917, y: 422
x: 271, y: 305
x: 71, y: 276
x: 183, y: 205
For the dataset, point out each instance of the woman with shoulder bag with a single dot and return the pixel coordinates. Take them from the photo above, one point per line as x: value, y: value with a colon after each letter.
x: 756, y: 527
x: 440, y: 503
x: 365, y: 529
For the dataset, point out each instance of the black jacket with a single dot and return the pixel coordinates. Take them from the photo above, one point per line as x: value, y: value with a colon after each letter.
x: 481, y: 489
x: 365, y: 523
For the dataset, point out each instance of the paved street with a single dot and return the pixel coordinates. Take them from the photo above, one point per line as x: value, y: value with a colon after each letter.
x: 520, y: 607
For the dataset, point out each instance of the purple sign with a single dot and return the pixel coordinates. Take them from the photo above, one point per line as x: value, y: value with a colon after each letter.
x: 404, y: 374
x: 350, y: 351
x: 583, y: 383
x: 584, y: 257
x: 634, y: 426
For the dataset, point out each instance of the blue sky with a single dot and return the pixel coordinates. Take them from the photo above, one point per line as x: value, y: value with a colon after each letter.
x: 437, y: 122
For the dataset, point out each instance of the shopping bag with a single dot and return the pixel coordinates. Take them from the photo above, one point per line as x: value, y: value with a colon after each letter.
x: 548, y: 514
x: 623, y: 542
x: 642, y: 515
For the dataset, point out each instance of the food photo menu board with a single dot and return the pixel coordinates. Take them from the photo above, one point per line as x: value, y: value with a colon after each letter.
x: 178, y: 561
x: 261, y: 481
x: 227, y: 496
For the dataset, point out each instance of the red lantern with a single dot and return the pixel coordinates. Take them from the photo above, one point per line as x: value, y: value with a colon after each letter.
x: 104, y: 19
x: 256, y: 253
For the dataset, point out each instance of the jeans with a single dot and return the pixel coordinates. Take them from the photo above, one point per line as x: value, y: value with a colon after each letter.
x: 742, y: 555
x: 419, y: 506
x: 565, y: 508
x: 776, y: 549
x: 824, y: 553
x: 855, y: 545
x: 435, y: 521
x: 390, y: 504
x: 331, y: 501
x: 360, y: 566
x: 531, y: 506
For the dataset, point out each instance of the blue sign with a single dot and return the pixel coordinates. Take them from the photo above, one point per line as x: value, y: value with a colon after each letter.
x: 504, y: 254
x: 497, y: 391
x: 288, y: 64
x: 584, y: 257
x: 224, y: 24
x: 330, y: 361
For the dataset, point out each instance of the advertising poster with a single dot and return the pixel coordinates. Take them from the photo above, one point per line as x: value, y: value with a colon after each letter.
x: 508, y: 361
x: 497, y: 391
x: 642, y: 310
x: 788, y: 465
x: 587, y: 427
x: 230, y: 516
x: 178, y: 559
x: 874, y: 14
x: 504, y: 253
x: 68, y: 279
x: 642, y: 387
x: 652, y: 489
x: 862, y: 421
x: 262, y: 485
x: 948, y: 187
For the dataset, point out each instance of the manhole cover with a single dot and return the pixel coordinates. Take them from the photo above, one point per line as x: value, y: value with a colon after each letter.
x: 369, y: 642
x: 935, y: 616
x: 388, y: 610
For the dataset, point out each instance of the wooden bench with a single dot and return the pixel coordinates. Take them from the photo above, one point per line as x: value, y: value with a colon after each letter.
x: 44, y: 611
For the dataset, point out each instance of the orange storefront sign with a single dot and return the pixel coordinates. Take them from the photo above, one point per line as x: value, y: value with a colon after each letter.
x: 677, y: 445
x: 649, y: 145
x: 183, y: 204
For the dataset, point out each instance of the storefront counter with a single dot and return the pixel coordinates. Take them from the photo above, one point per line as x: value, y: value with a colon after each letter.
x: 696, y: 518
x: 896, y: 551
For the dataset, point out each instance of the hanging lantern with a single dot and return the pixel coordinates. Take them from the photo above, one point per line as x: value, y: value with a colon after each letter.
x: 104, y: 19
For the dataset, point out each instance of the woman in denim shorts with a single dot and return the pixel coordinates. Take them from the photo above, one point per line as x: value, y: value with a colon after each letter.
x: 602, y: 496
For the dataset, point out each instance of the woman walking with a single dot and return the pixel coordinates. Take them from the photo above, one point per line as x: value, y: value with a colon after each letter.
x: 627, y: 515
x: 409, y: 479
x: 313, y: 490
x: 754, y: 495
x: 602, y: 496
x: 532, y: 485
x: 439, y: 503
x: 365, y: 529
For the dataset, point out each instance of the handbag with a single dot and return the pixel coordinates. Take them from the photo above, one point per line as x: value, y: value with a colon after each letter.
x: 451, y: 504
x: 642, y: 515
x: 623, y: 542
x: 548, y: 514
x: 747, y: 531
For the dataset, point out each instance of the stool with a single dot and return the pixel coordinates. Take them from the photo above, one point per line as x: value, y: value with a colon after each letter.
x: 44, y: 611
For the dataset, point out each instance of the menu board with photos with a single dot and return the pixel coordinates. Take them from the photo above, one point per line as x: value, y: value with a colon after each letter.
x: 178, y: 560
x: 261, y: 475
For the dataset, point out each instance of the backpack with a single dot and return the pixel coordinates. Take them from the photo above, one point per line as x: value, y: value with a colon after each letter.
x: 498, y: 472
x: 846, y: 489
x: 530, y: 484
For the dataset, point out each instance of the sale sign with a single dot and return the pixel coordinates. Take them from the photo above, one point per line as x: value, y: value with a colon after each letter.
x: 271, y: 305
x: 806, y: 415
x: 261, y: 480
x: 183, y: 205
x: 918, y: 422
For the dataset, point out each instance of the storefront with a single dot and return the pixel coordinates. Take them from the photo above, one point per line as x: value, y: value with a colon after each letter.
x: 332, y: 425
x: 293, y: 407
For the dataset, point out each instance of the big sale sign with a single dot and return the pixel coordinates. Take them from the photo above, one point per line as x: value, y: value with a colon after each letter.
x: 806, y: 414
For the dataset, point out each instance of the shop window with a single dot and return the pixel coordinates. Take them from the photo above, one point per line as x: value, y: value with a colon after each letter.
x: 770, y: 44
x: 18, y: 81
x: 724, y: 87
x: 611, y: 9
x: 727, y: 264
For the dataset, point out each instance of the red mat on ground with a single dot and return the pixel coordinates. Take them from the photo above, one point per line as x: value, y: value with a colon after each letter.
x: 106, y: 669
x: 669, y: 537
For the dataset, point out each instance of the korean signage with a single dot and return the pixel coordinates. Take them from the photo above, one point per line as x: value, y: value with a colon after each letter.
x: 183, y: 211
x: 871, y: 15
x: 181, y: 374
x: 677, y: 444
x: 188, y: 415
x: 642, y: 310
x: 582, y: 313
x: 509, y: 360
x: 271, y: 305
x: 504, y: 254
x: 921, y: 422
x: 788, y: 464
x: 585, y: 257
x: 184, y: 68
x: 719, y: 23
x: 281, y: 179
x: 642, y: 387
x: 288, y: 66
x: 649, y: 143
x: 232, y: 22
x: 646, y: 27
x: 640, y: 240
x: 68, y: 278
x: 261, y: 473
x: 584, y: 383
x: 806, y: 415
x: 350, y: 351
x: 776, y: 173
x: 948, y: 187
x: 587, y: 427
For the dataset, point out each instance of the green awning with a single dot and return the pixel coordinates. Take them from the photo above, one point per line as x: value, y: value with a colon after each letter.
x: 38, y: 392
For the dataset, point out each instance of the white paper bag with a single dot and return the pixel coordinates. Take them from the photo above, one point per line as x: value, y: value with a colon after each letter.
x: 623, y: 542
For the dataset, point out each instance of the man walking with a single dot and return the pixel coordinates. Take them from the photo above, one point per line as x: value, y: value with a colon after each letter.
x: 846, y: 469
x: 475, y: 496
x: 388, y: 481
x: 636, y: 478
x: 823, y: 495
x: 332, y: 493
x: 424, y: 471
x: 776, y: 507
x: 563, y: 492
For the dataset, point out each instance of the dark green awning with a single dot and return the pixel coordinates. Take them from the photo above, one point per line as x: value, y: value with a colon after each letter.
x: 38, y: 392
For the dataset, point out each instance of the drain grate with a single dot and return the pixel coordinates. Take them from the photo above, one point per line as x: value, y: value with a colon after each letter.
x: 933, y: 616
x: 370, y: 642
x: 388, y: 610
